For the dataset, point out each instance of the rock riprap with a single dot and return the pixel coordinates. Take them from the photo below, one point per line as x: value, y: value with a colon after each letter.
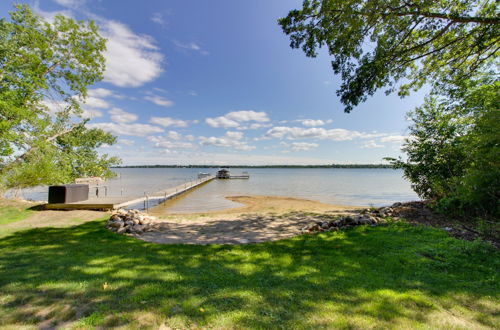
x: 131, y: 222
x: 367, y: 217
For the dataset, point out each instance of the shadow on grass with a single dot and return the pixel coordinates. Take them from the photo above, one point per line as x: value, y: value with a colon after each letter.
x: 383, y: 276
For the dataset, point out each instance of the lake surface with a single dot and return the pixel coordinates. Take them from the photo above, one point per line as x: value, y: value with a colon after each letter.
x: 358, y: 187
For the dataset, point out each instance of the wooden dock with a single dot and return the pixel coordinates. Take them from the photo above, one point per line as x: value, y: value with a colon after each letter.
x: 239, y: 177
x: 116, y: 202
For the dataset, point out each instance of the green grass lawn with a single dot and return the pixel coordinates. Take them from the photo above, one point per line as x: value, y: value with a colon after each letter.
x: 397, y: 276
x: 9, y: 214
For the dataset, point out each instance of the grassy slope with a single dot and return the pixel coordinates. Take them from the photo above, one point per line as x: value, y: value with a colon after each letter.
x: 396, y: 276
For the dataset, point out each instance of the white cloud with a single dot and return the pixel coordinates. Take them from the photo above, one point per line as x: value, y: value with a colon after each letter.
x: 91, y: 113
x: 70, y: 3
x: 253, y: 126
x: 248, y: 115
x: 167, y: 122
x: 122, y: 117
x: 126, y: 142
x: 131, y: 59
x: 162, y: 142
x: 193, y: 46
x: 371, y: 145
x: 221, y: 122
x: 53, y: 106
x: 234, y: 135
x: 257, y: 126
x: 103, y: 92
x: 303, y: 146
x: 230, y: 140
x: 158, y: 89
x: 336, y: 134
x: 174, y: 135
x: 50, y: 15
x: 394, y: 138
x: 158, y: 18
x: 95, y: 102
x: 311, y: 122
x: 159, y: 100
x: 235, y: 119
x: 128, y: 129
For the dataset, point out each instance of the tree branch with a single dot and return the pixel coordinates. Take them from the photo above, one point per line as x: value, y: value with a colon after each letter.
x: 449, y: 17
x: 453, y: 18
x: 49, y: 139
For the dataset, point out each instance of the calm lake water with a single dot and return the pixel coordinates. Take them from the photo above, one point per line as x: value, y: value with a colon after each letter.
x: 360, y: 187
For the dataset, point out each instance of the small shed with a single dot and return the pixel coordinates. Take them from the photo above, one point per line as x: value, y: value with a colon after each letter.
x: 68, y: 193
x: 223, y: 174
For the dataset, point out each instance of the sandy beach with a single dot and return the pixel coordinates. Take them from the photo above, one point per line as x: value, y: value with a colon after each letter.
x: 261, y: 219
x: 261, y: 204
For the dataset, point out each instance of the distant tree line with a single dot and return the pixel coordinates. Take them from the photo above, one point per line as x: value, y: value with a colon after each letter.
x: 263, y: 166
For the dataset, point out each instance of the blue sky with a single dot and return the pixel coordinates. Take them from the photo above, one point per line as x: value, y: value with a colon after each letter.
x: 215, y: 82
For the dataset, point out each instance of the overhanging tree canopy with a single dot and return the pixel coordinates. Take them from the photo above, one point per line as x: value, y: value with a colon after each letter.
x: 376, y: 43
x: 44, y: 63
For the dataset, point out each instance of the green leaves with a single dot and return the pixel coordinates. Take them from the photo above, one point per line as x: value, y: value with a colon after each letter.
x: 376, y: 44
x: 453, y: 152
x: 51, y: 62
x: 435, y: 149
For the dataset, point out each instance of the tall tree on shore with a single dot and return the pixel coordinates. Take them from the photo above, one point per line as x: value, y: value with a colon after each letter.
x: 45, y: 69
x: 378, y: 43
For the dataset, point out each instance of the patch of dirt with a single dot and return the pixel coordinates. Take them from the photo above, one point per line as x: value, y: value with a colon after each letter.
x: 48, y: 218
x: 16, y: 202
x: 51, y: 218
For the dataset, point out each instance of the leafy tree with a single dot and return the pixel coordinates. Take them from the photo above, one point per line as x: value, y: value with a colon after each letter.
x: 45, y: 69
x: 377, y: 43
x: 453, y: 150
x: 435, y: 148
x: 476, y: 191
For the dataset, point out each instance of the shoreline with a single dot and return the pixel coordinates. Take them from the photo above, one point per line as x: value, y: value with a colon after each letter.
x: 258, y: 213
x: 259, y: 204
